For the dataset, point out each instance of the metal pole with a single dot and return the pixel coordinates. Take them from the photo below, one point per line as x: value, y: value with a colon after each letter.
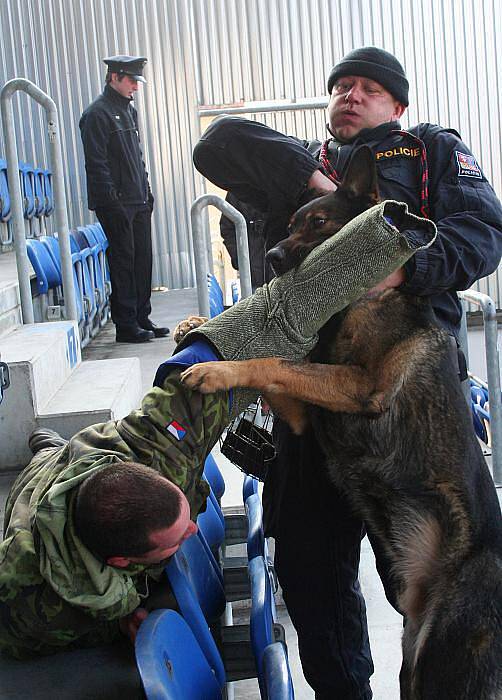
x: 201, y: 251
x: 60, y: 215
x: 493, y: 375
x: 16, y: 199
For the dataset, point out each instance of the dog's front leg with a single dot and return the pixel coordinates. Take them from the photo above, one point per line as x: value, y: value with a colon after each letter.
x: 336, y: 387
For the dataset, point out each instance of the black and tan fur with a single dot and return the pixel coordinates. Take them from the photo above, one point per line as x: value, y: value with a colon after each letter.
x: 383, y: 394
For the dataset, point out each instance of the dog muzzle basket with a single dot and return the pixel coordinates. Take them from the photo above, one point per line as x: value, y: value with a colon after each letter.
x: 248, y: 441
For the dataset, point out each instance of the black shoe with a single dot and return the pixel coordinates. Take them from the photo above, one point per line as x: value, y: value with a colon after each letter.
x: 133, y: 335
x: 41, y: 438
x: 158, y: 331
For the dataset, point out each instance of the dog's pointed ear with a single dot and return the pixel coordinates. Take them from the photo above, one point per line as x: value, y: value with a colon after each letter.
x: 360, y: 179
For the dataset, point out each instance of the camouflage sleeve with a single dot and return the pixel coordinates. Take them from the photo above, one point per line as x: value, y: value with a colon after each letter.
x: 174, y: 431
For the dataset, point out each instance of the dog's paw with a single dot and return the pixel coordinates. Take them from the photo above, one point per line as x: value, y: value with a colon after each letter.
x: 208, y: 377
x: 188, y: 324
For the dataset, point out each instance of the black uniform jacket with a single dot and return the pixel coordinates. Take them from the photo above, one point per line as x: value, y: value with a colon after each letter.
x: 113, y: 158
x: 428, y: 167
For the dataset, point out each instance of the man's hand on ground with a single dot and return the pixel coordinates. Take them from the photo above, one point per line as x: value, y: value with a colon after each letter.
x: 130, y: 624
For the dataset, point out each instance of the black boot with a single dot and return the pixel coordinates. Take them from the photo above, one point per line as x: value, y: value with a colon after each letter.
x: 134, y: 334
x: 41, y: 438
x: 158, y: 331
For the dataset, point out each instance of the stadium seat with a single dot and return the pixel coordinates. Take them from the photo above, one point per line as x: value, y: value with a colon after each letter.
x: 216, y: 305
x: 88, y: 285
x: 5, y: 212
x: 26, y: 181
x: 214, y: 476
x: 276, y: 673
x: 256, y: 540
x: 200, y: 596
x: 211, y: 524
x: 51, y: 243
x: 47, y: 272
x: 263, y: 626
x: 49, y: 195
x: 38, y: 192
x: 170, y: 661
x: 249, y: 487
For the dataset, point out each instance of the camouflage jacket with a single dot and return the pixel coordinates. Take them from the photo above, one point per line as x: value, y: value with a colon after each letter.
x: 54, y: 593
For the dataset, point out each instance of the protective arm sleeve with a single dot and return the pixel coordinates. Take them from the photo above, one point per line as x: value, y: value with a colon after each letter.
x: 283, y: 317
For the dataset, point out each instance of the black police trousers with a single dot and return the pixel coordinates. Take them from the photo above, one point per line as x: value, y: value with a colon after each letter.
x: 129, y: 255
x: 317, y: 548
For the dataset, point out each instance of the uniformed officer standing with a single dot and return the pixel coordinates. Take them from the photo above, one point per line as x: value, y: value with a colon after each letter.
x: 430, y: 168
x: 119, y: 192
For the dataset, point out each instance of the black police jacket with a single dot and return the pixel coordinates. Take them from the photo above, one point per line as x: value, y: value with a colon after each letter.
x: 270, y: 171
x: 113, y: 158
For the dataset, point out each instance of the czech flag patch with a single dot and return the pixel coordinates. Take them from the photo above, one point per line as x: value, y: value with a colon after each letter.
x: 467, y: 165
x: 177, y: 430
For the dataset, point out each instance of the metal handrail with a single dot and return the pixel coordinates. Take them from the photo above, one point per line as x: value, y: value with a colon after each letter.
x: 202, y: 253
x: 60, y: 217
x: 489, y: 311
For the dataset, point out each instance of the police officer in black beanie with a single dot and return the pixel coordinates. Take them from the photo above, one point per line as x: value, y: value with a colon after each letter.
x: 119, y: 192
x: 317, y: 535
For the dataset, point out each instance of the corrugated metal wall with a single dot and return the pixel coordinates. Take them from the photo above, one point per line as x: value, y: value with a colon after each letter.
x: 59, y: 44
x: 224, y: 52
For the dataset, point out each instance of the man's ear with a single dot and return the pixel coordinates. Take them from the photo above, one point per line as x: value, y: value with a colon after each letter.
x: 360, y: 179
x: 118, y: 562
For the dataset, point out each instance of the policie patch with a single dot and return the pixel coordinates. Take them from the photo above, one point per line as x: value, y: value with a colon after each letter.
x: 467, y: 165
x: 176, y: 429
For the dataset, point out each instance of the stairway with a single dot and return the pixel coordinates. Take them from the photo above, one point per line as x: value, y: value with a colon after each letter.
x: 50, y: 386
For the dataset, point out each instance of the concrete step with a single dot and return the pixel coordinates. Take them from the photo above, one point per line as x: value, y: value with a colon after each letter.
x: 96, y: 391
x: 10, y: 309
x: 41, y: 357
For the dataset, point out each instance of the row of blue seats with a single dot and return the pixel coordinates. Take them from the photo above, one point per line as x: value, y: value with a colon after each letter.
x: 176, y: 654
x: 480, y: 410
x: 36, y: 190
x: 91, y: 276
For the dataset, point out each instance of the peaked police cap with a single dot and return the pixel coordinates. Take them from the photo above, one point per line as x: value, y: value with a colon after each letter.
x: 127, y: 65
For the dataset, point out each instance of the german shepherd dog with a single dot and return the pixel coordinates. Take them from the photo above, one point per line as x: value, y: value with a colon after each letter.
x: 383, y: 394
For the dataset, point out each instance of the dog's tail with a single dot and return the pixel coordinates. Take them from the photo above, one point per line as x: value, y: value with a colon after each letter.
x: 461, y: 658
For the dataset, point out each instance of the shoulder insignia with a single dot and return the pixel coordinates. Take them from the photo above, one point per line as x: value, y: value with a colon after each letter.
x: 176, y: 429
x: 467, y: 165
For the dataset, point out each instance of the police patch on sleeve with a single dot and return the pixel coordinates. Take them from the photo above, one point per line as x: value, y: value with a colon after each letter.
x: 176, y: 429
x: 468, y: 166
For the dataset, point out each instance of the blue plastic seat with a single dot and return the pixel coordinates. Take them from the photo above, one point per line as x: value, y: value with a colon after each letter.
x: 263, y: 627
x: 211, y: 524
x: 51, y: 243
x: 170, y: 661
x: 200, y: 596
x: 46, y: 270
x: 88, y: 285
x: 216, y: 305
x: 214, y: 476
x: 249, y: 487
x: 38, y: 193
x: 5, y: 212
x: 48, y: 193
x: 276, y: 673
x: 256, y: 540
x: 26, y: 181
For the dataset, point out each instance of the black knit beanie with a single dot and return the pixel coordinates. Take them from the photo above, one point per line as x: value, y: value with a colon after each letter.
x: 376, y: 64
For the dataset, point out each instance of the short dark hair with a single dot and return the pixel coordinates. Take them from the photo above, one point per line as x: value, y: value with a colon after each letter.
x: 108, y: 76
x: 118, y: 507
